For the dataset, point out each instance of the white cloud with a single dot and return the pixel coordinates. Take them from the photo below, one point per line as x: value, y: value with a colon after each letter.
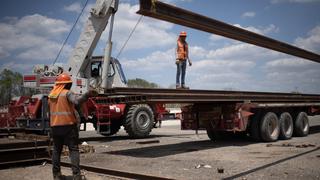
x: 214, y: 37
x: 149, y: 33
x: 248, y: 14
x: 271, y: 28
x: 26, y: 39
x: 74, y: 7
x: 264, y: 30
x: 54, y: 47
x: 3, y: 53
x: 291, y: 74
x: 197, y: 52
x: 42, y: 25
x: 27, y: 31
x: 158, y: 67
x: 311, y: 42
x: 293, y: 1
x: 242, y: 51
x: 156, y: 61
x: 18, y: 67
x: 288, y: 62
x: 220, y: 81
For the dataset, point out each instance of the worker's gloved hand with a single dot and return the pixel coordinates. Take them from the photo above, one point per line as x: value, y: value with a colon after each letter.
x: 190, y: 62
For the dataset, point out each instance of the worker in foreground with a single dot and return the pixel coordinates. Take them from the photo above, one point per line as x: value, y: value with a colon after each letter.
x: 182, y: 55
x: 63, y: 122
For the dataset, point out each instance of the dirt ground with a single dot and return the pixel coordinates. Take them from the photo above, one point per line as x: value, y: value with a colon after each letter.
x: 176, y: 154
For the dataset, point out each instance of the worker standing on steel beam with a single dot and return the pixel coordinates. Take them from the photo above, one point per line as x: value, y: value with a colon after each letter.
x: 63, y: 122
x: 182, y: 55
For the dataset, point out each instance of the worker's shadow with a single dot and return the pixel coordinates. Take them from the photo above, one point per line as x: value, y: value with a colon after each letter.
x: 314, y: 129
x: 67, y: 178
x: 104, y: 139
x: 193, y: 145
x: 71, y: 178
x: 181, y: 147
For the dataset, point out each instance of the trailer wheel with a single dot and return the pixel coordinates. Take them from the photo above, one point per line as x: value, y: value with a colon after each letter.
x: 217, y: 135
x: 269, y: 127
x: 214, y: 135
x: 286, y: 126
x: 139, y: 121
x: 301, y: 125
x: 211, y: 134
x: 254, y: 129
x: 114, y: 128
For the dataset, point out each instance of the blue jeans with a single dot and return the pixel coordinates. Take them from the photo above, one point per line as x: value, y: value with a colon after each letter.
x: 181, y: 70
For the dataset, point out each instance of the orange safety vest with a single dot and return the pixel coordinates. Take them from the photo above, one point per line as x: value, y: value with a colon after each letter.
x: 182, y: 50
x: 61, y: 110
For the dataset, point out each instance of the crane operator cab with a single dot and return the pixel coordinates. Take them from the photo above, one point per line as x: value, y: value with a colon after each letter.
x: 93, y: 75
x: 44, y: 76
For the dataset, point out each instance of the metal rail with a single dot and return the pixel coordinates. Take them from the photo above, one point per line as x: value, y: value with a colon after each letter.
x: 166, y: 12
x: 148, y: 95
x: 22, y: 151
x: 117, y: 173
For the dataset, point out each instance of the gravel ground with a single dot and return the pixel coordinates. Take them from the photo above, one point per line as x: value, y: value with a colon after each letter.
x: 172, y: 153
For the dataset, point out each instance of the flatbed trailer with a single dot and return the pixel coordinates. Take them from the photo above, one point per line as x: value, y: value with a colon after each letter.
x: 263, y: 115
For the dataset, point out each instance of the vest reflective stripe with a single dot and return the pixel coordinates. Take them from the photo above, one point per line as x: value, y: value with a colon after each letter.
x: 61, y: 110
x: 182, y: 50
x: 61, y: 113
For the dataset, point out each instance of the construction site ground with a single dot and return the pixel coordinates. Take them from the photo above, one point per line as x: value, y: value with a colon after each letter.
x: 176, y: 154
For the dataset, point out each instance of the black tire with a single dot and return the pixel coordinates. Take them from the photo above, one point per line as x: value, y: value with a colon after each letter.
x: 114, y: 128
x: 286, y: 126
x: 269, y: 127
x: 211, y: 134
x: 301, y: 125
x: 215, y: 135
x: 254, y: 129
x: 139, y: 121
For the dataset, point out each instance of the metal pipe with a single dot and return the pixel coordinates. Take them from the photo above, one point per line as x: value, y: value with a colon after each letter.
x: 106, y: 59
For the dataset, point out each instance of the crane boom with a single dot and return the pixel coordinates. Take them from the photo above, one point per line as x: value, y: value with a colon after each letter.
x: 173, y: 14
x: 90, y: 35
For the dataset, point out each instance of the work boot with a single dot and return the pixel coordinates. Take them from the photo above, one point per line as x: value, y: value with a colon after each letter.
x: 79, y: 177
x: 58, y: 176
x: 178, y: 86
x: 184, y: 86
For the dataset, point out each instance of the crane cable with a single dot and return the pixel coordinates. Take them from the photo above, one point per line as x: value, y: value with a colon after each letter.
x: 74, y: 25
x: 124, y: 45
x: 126, y: 42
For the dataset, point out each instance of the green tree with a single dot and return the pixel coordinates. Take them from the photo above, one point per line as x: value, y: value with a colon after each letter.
x: 141, y: 83
x: 11, y: 84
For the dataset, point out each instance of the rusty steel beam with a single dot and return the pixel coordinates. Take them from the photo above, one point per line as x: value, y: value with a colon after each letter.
x: 150, y: 95
x: 166, y: 12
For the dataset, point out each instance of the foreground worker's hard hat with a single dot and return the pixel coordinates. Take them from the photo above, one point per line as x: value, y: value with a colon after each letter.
x: 63, y: 78
x: 183, y: 33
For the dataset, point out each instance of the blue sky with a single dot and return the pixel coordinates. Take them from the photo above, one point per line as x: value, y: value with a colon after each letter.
x: 32, y: 31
